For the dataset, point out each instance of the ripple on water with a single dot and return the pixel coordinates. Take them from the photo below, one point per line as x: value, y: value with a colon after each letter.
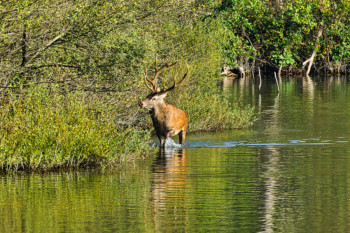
x: 195, y: 143
x: 226, y: 144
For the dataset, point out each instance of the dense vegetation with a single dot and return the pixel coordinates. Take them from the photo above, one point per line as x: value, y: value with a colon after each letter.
x: 71, y: 77
x: 288, y: 35
x: 71, y: 72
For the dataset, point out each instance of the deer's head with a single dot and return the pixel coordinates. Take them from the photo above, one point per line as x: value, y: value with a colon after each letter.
x: 157, y: 95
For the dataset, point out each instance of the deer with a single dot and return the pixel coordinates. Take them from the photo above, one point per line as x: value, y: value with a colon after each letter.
x: 168, y: 120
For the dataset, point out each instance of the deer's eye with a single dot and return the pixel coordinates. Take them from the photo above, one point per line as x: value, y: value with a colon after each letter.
x: 153, y: 98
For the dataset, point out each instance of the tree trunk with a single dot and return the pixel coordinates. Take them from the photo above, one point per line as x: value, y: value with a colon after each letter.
x: 311, y: 59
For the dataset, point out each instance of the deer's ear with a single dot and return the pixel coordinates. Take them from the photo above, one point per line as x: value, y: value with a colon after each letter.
x: 163, y: 94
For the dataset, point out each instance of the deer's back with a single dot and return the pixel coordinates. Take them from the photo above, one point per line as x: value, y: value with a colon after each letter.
x: 178, y: 119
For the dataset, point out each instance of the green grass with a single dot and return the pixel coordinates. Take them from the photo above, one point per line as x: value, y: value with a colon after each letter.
x: 209, y: 109
x: 214, y: 112
x: 45, y: 129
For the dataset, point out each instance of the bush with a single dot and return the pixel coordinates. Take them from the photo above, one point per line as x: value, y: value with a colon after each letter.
x: 43, y: 128
x: 99, y: 58
x: 210, y: 110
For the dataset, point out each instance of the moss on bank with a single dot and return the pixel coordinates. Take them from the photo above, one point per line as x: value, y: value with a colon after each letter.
x: 47, y: 127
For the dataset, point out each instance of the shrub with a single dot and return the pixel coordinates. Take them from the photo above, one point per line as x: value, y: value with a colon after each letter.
x: 44, y: 128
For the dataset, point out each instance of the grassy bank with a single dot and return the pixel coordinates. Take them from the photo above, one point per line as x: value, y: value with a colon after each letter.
x: 210, y: 110
x: 47, y: 127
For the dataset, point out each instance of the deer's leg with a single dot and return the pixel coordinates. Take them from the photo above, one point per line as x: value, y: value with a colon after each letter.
x: 182, y: 137
x: 161, y: 140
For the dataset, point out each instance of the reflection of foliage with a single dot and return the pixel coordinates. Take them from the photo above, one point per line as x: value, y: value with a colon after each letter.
x: 229, y: 198
x: 78, y: 201
x: 194, y: 199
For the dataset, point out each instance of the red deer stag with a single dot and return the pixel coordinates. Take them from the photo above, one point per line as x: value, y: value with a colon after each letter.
x: 167, y: 120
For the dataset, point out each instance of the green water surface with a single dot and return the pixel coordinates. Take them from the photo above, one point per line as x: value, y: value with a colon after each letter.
x: 290, y: 172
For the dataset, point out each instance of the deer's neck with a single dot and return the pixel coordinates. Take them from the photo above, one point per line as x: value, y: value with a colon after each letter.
x: 160, y: 111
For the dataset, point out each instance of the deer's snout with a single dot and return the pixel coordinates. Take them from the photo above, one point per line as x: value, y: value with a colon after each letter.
x: 141, y: 105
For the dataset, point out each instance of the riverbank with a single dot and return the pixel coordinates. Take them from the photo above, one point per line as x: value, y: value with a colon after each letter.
x: 46, y: 127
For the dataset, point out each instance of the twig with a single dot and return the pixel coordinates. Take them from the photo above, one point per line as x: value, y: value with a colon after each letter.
x: 47, y: 46
x: 278, y: 86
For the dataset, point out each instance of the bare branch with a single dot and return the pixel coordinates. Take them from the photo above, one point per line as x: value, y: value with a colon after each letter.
x: 47, y: 46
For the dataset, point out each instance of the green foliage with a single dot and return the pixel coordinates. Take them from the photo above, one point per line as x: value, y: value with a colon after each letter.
x: 221, y: 114
x: 283, y: 59
x: 99, y: 52
x: 213, y: 111
x: 283, y: 33
x: 44, y: 128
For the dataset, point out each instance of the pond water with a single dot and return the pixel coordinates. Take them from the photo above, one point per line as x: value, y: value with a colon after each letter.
x: 290, y: 172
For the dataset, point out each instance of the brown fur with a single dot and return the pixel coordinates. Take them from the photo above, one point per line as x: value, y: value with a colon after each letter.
x: 168, y: 121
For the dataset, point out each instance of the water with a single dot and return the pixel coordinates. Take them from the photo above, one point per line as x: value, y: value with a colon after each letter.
x: 288, y: 173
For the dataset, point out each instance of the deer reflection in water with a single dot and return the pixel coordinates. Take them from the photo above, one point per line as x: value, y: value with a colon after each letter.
x: 169, y: 181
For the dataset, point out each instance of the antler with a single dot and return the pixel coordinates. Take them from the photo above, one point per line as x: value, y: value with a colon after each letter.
x: 152, y: 88
x: 167, y: 65
x: 177, y: 84
x: 154, y: 80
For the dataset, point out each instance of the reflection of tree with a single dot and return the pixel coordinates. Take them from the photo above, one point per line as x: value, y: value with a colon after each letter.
x: 309, y: 88
x: 75, y: 201
x: 306, y: 187
x: 227, y: 83
x: 271, y: 186
x: 309, y: 91
x: 243, y: 90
